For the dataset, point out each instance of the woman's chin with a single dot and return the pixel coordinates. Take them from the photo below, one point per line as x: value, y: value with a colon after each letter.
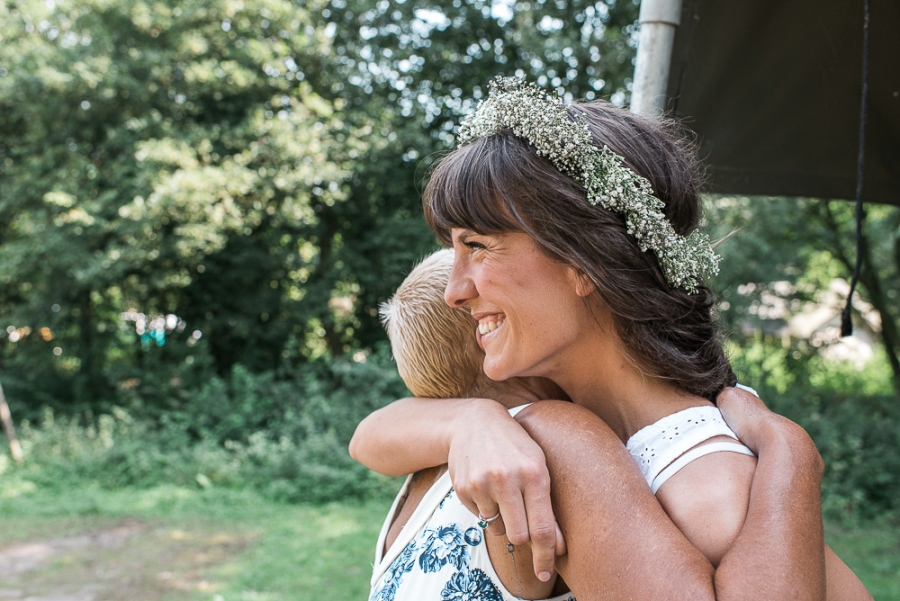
x: 497, y: 371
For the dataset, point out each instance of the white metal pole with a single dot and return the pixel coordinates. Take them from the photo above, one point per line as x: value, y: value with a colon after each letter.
x: 659, y: 19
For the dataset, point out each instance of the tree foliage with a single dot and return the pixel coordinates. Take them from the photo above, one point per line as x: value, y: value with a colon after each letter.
x: 160, y: 159
x: 807, y: 243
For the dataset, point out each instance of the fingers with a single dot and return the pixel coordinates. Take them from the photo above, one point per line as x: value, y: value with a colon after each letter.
x: 482, y: 504
x: 497, y: 527
x: 743, y: 412
x: 542, y: 527
x: 507, y: 472
x: 757, y: 427
x: 526, y: 514
x: 561, y: 547
x: 737, y: 399
x: 469, y: 503
x: 511, y: 510
x: 515, y: 521
x: 520, y: 527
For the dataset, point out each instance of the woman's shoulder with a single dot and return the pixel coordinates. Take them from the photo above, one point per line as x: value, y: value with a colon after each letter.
x: 700, y: 473
x: 708, y: 498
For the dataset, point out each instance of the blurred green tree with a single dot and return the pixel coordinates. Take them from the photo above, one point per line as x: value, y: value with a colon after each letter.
x: 806, y: 243
x: 160, y: 158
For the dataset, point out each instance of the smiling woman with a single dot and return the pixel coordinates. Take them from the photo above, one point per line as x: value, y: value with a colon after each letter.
x: 526, y: 304
x: 572, y: 229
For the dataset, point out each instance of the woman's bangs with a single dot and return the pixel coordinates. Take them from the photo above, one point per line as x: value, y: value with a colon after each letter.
x: 467, y: 190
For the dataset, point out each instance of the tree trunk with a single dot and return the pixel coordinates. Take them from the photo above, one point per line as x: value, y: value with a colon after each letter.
x: 323, y: 275
x: 86, y: 328
x: 14, y: 448
x: 889, y: 334
x: 868, y: 278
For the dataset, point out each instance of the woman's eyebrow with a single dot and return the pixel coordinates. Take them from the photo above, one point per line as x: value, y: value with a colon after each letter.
x: 465, y: 235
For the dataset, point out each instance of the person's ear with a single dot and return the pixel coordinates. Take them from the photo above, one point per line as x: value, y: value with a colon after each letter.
x: 583, y: 285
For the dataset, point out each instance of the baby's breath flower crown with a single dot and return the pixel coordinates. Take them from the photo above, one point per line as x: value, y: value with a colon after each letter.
x: 542, y: 120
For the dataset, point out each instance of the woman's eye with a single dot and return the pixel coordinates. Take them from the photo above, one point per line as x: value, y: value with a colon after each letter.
x: 474, y: 245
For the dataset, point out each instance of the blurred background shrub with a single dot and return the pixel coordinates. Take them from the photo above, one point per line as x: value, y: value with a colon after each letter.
x: 286, y: 438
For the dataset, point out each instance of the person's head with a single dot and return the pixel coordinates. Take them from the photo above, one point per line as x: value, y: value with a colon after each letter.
x: 433, y: 344
x: 499, y: 184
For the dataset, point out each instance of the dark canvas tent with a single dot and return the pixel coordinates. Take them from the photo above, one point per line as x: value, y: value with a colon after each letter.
x: 773, y: 89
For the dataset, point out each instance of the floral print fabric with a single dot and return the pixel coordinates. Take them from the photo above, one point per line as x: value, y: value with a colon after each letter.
x: 446, y: 560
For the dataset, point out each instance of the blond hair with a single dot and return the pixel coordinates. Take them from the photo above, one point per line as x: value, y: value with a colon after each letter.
x: 433, y: 344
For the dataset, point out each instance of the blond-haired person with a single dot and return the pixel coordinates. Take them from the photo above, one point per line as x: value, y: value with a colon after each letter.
x: 431, y: 544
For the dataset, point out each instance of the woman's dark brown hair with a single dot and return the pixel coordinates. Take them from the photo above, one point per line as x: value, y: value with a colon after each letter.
x: 499, y: 184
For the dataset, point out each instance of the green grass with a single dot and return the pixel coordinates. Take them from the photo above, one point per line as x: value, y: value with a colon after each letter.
x: 873, y: 553
x: 185, y: 544
x: 177, y: 544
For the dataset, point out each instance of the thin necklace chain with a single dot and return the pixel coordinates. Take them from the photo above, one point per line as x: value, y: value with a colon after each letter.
x: 512, y: 553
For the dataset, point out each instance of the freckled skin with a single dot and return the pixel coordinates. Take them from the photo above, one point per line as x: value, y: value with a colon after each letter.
x: 507, y: 275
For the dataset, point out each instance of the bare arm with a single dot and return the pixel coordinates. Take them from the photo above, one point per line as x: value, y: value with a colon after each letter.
x: 520, y: 481
x: 789, y: 472
x: 709, y: 500
x: 783, y: 532
x: 422, y: 441
x: 494, y: 464
x: 413, y: 434
x: 621, y: 545
x: 841, y: 583
x: 615, y: 528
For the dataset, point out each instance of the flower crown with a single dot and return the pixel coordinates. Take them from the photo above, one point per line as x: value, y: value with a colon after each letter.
x: 543, y: 121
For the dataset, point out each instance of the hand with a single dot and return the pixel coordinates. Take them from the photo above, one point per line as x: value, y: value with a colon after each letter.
x: 756, y: 426
x: 495, y: 468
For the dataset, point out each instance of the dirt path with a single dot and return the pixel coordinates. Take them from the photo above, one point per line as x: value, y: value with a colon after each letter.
x: 129, y: 560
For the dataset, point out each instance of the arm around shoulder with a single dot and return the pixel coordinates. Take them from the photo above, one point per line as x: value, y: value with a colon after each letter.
x: 413, y: 434
x: 779, y: 553
x: 620, y: 542
x: 623, y: 545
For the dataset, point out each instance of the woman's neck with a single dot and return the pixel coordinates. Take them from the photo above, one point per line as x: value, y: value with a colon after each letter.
x: 600, y: 377
x: 521, y: 391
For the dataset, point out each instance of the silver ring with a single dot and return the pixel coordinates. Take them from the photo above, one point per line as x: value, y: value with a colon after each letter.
x: 484, y: 522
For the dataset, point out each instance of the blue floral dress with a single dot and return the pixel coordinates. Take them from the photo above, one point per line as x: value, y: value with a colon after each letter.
x: 439, y: 555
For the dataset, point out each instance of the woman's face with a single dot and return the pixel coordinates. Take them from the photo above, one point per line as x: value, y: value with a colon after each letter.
x: 529, y: 308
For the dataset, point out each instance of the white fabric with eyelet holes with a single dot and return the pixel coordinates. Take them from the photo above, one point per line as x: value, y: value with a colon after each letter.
x: 666, y: 446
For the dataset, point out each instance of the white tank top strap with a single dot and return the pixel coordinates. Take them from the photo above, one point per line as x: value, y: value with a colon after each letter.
x: 515, y: 410
x: 696, y: 453
x: 657, y: 447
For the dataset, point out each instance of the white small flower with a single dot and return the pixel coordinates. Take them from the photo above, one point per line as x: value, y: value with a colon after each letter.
x: 543, y: 122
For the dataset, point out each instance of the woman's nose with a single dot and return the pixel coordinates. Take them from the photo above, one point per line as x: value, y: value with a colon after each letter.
x: 460, y: 287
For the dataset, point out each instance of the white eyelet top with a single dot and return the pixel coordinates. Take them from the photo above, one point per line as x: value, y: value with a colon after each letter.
x: 666, y: 446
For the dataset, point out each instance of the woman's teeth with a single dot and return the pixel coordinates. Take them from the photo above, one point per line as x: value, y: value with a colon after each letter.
x: 489, y: 326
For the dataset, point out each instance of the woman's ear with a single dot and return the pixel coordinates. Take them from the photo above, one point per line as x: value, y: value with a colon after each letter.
x: 583, y: 285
